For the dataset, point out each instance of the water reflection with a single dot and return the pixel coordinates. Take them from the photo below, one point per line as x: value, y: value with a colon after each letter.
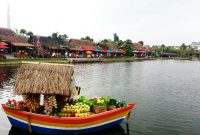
x: 6, y: 74
x: 116, y: 130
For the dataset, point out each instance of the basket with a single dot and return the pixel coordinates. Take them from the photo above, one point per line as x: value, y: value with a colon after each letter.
x: 111, y: 107
x: 99, y: 109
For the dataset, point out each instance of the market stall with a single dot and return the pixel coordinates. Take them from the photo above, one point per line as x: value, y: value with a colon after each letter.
x: 51, y: 104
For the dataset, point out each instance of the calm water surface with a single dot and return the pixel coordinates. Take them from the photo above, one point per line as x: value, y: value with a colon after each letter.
x: 167, y: 94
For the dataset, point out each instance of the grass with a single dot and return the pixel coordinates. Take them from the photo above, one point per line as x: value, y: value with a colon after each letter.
x: 18, y: 61
x: 64, y: 61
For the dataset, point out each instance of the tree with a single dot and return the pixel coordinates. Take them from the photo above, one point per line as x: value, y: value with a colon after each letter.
x: 127, y: 47
x: 162, y: 46
x: 58, y: 39
x: 116, y: 38
x: 141, y: 42
x: 183, y: 46
x: 22, y: 31
x: 119, y: 43
x: 87, y: 38
x: 104, y: 41
x: 30, y: 34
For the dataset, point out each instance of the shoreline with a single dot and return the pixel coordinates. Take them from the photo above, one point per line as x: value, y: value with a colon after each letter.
x: 69, y: 60
x: 83, y: 60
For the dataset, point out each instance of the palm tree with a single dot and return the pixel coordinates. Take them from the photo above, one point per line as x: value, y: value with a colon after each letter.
x: 22, y: 31
x: 57, y: 39
x: 30, y: 34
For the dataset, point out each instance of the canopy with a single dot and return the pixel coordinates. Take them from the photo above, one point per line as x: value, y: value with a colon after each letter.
x: 3, y: 46
x: 44, y: 78
x: 135, y: 51
x: 140, y: 51
x: 3, y: 43
x: 88, y: 49
x: 97, y: 50
x: 117, y: 51
x: 108, y: 51
x: 122, y: 51
x: 76, y: 49
x: 103, y: 51
x: 23, y: 44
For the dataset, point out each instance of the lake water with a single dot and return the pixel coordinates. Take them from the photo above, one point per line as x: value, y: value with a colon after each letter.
x: 166, y: 93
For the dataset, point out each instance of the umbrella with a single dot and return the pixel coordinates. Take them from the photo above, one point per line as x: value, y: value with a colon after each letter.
x: 3, y: 46
x: 89, y: 49
x: 117, y: 51
x: 108, y: 51
x: 3, y: 43
x: 97, y: 50
x: 122, y: 51
x: 103, y: 51
x: 135, y: 51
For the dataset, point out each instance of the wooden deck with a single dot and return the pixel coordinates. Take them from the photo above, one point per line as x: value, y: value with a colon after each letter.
x: 85, y: 60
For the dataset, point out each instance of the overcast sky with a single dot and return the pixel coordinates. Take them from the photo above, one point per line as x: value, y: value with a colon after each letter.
x: 169, y: 22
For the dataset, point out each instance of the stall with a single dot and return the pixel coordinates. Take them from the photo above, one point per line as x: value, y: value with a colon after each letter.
x: 51, y: 104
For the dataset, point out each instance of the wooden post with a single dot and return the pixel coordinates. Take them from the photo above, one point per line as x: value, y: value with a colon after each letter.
x: 127, y: 122
x: 29, y: 123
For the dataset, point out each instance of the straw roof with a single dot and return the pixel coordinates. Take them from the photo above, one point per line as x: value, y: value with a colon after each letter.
x: 78, y: 43
x: 44, y: 78
x: 23, y: 44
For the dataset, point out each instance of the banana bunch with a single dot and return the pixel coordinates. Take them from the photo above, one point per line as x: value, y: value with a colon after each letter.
x: 49, y: 103
x: 52, y: 101
x: 47, y: 107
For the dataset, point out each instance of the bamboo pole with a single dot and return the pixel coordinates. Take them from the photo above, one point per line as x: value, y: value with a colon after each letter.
x: 29, y: 123
x: 127, y: 123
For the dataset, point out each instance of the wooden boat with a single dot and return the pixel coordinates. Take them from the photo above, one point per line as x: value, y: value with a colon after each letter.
x: 32, y: 79
x: 44, y: 124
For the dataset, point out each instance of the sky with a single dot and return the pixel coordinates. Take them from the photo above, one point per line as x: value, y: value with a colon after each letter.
x: 156, y: 22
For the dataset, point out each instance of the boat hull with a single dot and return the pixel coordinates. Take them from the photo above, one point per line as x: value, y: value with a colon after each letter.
x: 55, y: 125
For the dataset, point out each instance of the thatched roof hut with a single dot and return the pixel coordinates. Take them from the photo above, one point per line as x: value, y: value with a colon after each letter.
x: 44, y: 78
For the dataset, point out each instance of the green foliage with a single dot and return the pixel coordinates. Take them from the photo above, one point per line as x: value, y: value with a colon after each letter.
x: 183, y: 46
x: 141, y: 42
x: 112, y: 102
x: 22, y: 31
x: 162, y: 46
x: 87, y: 38
x: 58, y: 39
x: 119, y: 43
x: 116, y: 38
x: 83, y: 99
x: 105, y: 41
x: 121, y: 104
x: 30, y: 34
x: 128, y: 47
x: 100, y: 101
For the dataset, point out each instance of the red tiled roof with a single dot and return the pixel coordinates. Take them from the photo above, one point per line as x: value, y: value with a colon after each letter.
x: 137, y: 46
x: 77, y: 43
